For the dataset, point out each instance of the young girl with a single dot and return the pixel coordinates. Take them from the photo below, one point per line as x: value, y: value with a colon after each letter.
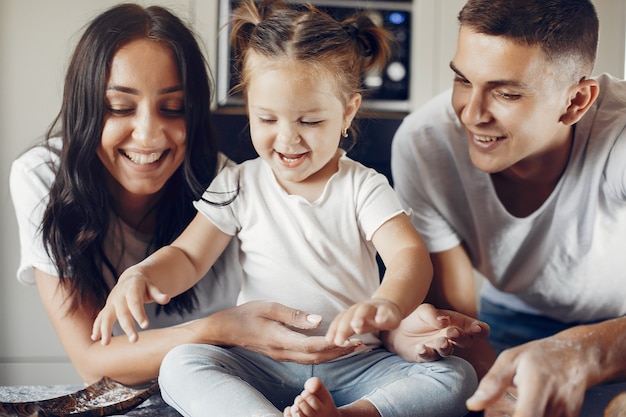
x: 309, y: 221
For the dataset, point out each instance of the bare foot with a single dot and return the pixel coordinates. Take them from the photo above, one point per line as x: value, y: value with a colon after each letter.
x: 314, y: 401
x: 617, y: 406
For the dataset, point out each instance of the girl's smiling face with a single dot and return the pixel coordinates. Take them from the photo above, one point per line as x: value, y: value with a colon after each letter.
x: 296, y: 122
x: 144, y: 135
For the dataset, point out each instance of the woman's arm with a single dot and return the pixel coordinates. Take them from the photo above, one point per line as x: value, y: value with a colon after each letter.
x: 259, y: 326
x: 126, y: 363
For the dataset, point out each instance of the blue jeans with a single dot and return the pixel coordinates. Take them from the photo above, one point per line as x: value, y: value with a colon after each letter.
x: 511, y: 328
x: 204, y: 380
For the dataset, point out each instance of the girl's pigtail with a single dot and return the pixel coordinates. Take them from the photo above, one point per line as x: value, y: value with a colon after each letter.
x: 373, y: 44
x: 243, y: 21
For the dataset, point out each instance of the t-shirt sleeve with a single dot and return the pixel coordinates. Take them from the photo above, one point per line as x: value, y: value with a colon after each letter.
x: 30, y: 187
x: 376, y: 203
x: 616, y: 168
x: 421, y: 177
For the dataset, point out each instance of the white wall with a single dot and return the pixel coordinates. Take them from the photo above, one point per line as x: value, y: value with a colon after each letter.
x: 36, y: 37
x: 434, y: 41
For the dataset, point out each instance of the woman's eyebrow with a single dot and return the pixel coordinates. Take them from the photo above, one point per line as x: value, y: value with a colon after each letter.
x: 136, y: 92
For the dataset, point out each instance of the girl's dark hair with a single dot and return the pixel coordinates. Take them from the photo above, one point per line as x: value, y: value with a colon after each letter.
x: 564, y: 29
x: 76, y: 219
x: 346, y: 50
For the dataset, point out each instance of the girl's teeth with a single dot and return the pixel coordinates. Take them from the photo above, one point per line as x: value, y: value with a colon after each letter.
x: 290, y: 158
x: 485, y: 138
x: 142, y: 158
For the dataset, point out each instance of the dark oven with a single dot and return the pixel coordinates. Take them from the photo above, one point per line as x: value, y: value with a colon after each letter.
x: 385, y: 91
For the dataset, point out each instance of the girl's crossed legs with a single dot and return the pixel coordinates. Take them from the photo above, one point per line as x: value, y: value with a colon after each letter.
x: 201, y: 380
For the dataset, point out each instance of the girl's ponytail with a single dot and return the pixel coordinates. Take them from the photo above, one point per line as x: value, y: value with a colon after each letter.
x: 373, y: 44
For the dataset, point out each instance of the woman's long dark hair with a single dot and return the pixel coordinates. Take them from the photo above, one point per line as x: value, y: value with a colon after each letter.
x: 76, y: 219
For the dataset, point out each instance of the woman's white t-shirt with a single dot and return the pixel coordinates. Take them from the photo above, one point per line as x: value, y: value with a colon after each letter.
x: 32, y: 176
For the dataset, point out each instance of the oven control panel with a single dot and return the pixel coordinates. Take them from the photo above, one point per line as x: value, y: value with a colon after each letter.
x: 386, y: 90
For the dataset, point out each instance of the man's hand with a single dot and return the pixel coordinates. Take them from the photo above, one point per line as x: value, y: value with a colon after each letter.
x: 428, y: 334
x: 544, y: 377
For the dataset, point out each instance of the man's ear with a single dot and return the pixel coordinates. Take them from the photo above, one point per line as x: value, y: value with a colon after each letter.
x: 583, y: 95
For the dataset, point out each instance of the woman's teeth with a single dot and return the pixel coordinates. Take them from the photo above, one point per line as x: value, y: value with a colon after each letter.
x: 142, y: 158
x: 486, y: 138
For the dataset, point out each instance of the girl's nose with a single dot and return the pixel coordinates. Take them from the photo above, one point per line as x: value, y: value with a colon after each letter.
x: 287, y: 134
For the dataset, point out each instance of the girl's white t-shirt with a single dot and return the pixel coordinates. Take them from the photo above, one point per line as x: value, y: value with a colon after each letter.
x: 315, y: 256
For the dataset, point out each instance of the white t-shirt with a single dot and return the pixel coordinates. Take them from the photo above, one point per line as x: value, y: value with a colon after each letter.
x: 567, y: 260
x: 314, y: 256
x: 32, y: 176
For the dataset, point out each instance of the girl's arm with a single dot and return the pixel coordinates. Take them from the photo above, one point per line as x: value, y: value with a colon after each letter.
x: 405, y: 283
x: 409, y: 270
x: 166, y: 273
x: 259, y: 326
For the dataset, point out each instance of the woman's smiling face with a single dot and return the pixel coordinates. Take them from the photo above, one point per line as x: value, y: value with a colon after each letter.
x: 144, y: 134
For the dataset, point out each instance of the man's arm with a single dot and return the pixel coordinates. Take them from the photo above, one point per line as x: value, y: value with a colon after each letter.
x: 551, y: 375
x: 430, y: 333
x: 453, y: 287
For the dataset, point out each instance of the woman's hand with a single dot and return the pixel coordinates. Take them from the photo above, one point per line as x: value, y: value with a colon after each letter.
x: 266, y: 327
x: 125, y: 304
x: 428, y: 334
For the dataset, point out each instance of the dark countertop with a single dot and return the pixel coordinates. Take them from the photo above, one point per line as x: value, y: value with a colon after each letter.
x: 153, y: 406
x: 596, y: 399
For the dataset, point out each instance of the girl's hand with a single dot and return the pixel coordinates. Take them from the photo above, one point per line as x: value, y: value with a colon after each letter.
x: 369, y: 316
x: 125, y: 304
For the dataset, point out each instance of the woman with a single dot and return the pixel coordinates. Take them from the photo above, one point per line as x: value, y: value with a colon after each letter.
x: 115, y: 179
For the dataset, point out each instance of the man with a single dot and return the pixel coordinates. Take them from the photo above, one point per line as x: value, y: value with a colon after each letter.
x: 520, y: 173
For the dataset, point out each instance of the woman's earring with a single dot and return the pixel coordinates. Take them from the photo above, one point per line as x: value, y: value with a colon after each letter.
x: 344, y: 132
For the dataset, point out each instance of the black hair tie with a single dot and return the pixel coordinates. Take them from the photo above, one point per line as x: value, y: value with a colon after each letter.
x: 352, y: 29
